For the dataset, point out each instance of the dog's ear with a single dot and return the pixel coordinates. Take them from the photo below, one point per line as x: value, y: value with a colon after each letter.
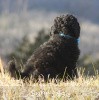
x: 73, y: 26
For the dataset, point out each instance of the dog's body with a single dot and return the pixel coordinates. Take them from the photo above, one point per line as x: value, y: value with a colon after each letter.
x: 58, y: 55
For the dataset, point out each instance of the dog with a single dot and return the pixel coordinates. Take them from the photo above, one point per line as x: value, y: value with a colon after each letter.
x: 58, y: 56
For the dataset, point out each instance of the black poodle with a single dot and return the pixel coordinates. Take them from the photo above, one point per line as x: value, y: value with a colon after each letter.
x: 58, y: 56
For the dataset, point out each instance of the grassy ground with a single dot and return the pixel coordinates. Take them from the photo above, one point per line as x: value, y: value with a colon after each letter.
x: 84, y: 88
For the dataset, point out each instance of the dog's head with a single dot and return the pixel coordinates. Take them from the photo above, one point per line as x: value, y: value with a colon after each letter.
x: 66, y: 24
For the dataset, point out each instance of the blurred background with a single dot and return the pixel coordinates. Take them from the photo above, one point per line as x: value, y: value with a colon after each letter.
x: 25, y: 24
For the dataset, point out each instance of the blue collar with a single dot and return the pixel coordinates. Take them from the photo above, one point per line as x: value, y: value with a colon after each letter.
x: 68, y: 37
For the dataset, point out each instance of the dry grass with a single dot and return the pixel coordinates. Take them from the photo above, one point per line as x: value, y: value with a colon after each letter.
x: 84, y: 88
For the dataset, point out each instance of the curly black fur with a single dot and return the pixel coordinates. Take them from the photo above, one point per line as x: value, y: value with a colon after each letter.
x: 66, y: 24
x: 55, y: 56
